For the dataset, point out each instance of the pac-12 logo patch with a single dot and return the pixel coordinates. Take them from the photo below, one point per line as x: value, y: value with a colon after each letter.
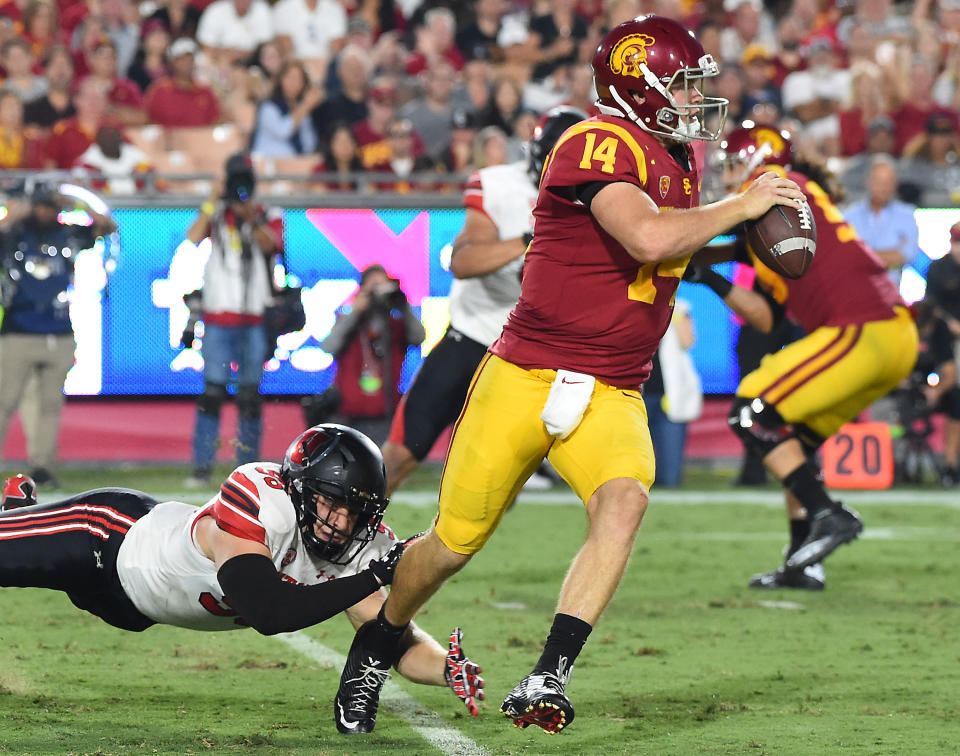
x: 664, y: 186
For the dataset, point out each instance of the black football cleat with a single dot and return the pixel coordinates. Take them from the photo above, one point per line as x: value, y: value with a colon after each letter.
x: 363, y: 677
x: 18, y: 491
x: 539, y: 700
x: 829, y: 528
x: 811, y: 578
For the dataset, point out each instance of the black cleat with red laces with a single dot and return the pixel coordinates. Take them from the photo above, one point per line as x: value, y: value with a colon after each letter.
x: 539, y: 700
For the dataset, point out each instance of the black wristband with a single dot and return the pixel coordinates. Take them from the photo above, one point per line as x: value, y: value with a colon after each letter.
x: 269, y: 604
x: 527, y: 238
x: 715, y: 281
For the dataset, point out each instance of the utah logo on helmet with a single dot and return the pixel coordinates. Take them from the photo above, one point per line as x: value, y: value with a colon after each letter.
x: 18, y: 491
x: 649, y: 70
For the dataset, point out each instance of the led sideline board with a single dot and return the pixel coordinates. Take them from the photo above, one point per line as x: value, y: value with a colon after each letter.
x: 128, y: 321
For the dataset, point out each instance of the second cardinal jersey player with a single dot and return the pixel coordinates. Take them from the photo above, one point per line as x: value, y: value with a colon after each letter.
x: 171, y: 581
x: 607, y: 312
x: 823, y: 296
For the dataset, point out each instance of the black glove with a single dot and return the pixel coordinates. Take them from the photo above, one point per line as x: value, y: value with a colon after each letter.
x: 702, y: 274
x: 384, y: 567
x: 527, y: 238
x: 693, y: 273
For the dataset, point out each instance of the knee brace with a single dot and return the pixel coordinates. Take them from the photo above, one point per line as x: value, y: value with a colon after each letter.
x: 758, y: 425
x: 212, y: 399
x: 249, y: 402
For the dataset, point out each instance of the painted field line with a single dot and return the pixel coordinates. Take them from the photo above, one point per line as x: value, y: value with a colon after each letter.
x: 446, y: 739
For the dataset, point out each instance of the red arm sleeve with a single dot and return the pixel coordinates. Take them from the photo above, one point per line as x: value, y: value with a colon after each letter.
x: 237, y: 509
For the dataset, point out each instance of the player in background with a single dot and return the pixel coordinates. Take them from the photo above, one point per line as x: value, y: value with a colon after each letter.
x: 486, y: 263
x: 861, y: 343
x: 563, y: 379
x: 279, y: 548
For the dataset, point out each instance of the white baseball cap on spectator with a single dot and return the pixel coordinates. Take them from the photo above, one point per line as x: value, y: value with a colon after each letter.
x: 182, y: 46
x: 731, y: 5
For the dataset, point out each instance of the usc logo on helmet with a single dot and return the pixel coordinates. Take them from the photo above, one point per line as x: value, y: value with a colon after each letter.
x: 627, y: 55
x: 771, y: 138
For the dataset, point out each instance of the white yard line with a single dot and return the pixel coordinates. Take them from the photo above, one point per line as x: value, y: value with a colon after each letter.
x: 446, y: 739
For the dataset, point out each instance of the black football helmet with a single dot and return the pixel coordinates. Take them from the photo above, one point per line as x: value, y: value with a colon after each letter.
x: 346, y: 467
x: 546, y: 133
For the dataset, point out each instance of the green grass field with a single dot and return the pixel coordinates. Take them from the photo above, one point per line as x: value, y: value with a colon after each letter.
x: 687, y: 660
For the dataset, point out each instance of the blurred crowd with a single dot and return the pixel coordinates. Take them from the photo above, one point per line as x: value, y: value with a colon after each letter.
x: 399, y: 88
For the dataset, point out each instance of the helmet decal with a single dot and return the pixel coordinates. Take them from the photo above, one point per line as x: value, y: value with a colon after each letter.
x: 770, y: 139
x: 627, y: 55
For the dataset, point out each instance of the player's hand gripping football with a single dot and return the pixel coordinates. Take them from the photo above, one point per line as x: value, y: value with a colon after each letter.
x: 463, y: 675
x: 767, y: 190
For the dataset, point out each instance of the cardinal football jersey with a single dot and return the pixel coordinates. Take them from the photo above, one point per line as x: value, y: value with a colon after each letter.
x: 846, y: 284
x: 168, y: 578
x: 586, y: 304
x: 479, y: 306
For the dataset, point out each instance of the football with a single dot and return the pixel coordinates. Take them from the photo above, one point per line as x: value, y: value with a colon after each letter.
x: 784, y: 239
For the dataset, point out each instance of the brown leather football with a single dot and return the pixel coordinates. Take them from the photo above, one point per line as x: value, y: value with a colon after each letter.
x: 784, y: 239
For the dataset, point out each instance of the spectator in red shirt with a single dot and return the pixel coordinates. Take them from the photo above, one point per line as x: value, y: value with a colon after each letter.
x: 40, y: 27
x: 17, y: 150
x: 71, y: 137
x: 371, y: 133
x: 869, y: 103
x: 435, y: 39
x: 90, y: 32
x: 177, y: 100
x: 916, y: 94
x: 125, y: 102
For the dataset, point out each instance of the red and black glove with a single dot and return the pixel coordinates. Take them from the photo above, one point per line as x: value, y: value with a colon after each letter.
x: 463, y: 675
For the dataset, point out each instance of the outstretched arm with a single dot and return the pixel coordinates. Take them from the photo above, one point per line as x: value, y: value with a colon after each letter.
x: 269, y: 604
x: 752, y: 306
x: 630, y: 216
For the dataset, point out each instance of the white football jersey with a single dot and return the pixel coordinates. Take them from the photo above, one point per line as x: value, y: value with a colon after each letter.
x: 479, y: 306
x: 168, y: 578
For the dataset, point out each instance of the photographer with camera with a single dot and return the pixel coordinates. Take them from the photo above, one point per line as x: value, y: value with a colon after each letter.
x: 943, y: 294
x: 37, y: 254
x: 369, y: 341
x: 237, y: 289
x: 930, y: 389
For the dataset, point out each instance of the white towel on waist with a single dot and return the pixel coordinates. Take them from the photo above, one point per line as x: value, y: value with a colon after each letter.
x: 567, y: 402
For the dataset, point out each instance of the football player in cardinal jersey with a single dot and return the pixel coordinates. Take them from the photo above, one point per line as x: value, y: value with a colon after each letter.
x: 617, y: 220
x: 486, y: 263
x: 279, y: 548
x: 861, y: 343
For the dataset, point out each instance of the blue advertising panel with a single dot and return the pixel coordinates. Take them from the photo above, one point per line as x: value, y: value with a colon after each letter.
x: 128, y: 309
